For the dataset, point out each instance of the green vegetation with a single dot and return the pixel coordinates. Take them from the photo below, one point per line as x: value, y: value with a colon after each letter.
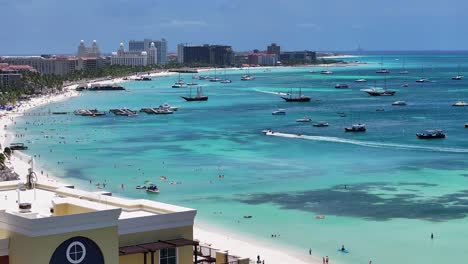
x: 31, y: 83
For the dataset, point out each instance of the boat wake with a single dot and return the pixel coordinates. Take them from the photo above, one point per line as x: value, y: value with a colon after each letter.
x: 368, y: 143
x: 268, y: 92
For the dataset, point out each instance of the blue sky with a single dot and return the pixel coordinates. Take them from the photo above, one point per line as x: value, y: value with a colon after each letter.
x: 57, y: 26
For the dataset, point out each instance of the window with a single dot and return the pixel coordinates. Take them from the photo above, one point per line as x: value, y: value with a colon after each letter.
x: 168, y: 256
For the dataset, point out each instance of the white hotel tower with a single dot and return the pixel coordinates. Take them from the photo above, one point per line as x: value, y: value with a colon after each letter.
x: 134, y: 58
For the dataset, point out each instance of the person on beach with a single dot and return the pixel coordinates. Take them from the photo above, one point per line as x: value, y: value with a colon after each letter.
x: 323, y: 260
x: 310, y: 251
x: 326, y: 260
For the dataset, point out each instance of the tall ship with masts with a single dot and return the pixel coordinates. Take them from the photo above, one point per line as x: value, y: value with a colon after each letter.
x: 198, y: 97
x: 299, y: 98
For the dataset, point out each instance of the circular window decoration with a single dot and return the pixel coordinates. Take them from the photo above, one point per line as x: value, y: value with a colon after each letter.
x: 76, y: 252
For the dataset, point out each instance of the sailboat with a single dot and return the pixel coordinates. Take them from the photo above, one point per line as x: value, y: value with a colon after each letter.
x: 247, y: 77
x: 459, y: 77
x: 382, y: 70
x: 179, y: 83
x: 215, y: 79
x: 375, y: 91
x: 300, y: 98
x: 326, y: 71
x: 422, y: 80
x: 226, y: 80
x: 198, y: 97
x: 404, y: 71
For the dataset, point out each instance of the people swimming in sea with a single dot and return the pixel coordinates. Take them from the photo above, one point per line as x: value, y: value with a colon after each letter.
x: 342, y: 248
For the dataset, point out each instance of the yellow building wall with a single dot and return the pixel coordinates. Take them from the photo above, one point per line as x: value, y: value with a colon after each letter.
x: 185, y: 254
x: 40, y: 249
x: 70, y: 209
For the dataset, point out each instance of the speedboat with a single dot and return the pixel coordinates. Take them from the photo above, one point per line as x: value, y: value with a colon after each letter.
x: 169, y: 107
x: 466, y: 125
x: 356, y: 128
x: 361, y: 80
x: 326, y: 72
x: 460, y: 103
x: 458, y: 77
x: 279, y: 112
x: 399, y: 103
x: 140, y: 187
x: 312, y: 71
x: 320, y: 124
x: 431, y: 134
x: 404, y: 85
x: 192, y: 84
x: 383, y: 71
x: 422, y: 80
x: 152, y: 189
x: 341, y: 86
x: 304, y: 120
x: 247, y: 78
x: 226, y: 81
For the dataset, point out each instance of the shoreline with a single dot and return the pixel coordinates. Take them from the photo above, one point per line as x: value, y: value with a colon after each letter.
x: 222, y: 239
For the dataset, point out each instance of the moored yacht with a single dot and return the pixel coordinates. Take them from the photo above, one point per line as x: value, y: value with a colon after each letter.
x: 361, y: 80
x: 422, y: 80
x: 326, y: 72
x: 431, y: 134
x: 376, y: 91
x: 356, y: 128
x: 458, y: 77
x: 460, y: 103
x: 320, y: 124
x: 383, y: 71
x: 247, y: 78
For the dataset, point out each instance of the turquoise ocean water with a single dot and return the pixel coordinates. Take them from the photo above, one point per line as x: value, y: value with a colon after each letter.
x: 398, y: 191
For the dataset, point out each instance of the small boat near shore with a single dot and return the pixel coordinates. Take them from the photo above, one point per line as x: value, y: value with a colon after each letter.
x: 18, y: 146
x: 356, y: 128
x: 145, y: 78
x: 247, y: 78
x: 422, y: 80
x: 376, y: 91
x: 327, y: 72
x: 91, y: 112
x: 152, y: 189
x: 123, y: 112
x: 399, y: 103
x: 431, y: 134
x: 360, y: 80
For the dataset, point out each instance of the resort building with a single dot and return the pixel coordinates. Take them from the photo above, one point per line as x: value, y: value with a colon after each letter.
x: 274, y: 49
x: 57, y: 65
x: 135, y: 58
x: 10, y: 75
x: 145, y: 45
x: 298, y: 56
x: 214, y: 55
x: 48, y: 223
x: 180, y: 53
x: 262, y: 59
x: 92, y: 51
